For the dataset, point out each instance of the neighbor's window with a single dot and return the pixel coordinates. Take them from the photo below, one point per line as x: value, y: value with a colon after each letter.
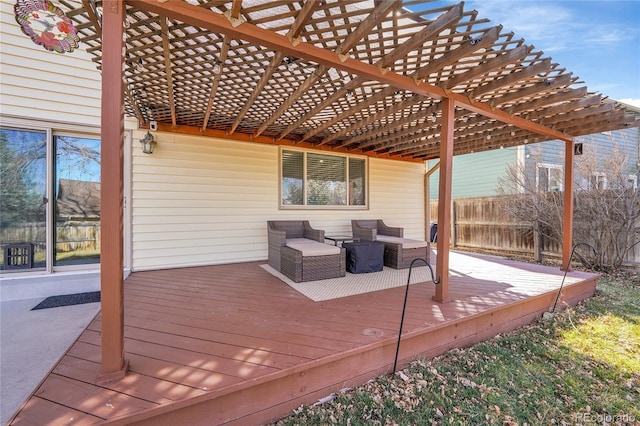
x: 316, y: 179
x: 549, y: 178
x: 598, y: 181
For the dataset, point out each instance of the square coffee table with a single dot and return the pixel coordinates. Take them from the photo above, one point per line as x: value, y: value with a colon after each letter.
x: 340, y: 238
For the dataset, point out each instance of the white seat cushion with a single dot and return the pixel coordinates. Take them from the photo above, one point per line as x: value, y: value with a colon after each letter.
x: 405, y: 243
x: 311, y: 248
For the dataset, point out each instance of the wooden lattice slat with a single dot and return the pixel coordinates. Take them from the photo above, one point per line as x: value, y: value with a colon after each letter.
x: 169, y: 70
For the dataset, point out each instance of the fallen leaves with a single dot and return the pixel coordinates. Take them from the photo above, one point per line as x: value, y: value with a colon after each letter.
x: 533, y: 376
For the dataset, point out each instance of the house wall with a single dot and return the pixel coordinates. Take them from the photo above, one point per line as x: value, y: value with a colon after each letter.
x: 202, y: 201
x: 598, y: 144
x: 196, y: 200
x: 43, y: 85
x: 477, y: 174
x: 626, y: 140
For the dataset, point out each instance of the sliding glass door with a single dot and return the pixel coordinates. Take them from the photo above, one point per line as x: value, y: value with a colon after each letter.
x: 49, y: 200
x: 23, y: 198
x: 77, y: 200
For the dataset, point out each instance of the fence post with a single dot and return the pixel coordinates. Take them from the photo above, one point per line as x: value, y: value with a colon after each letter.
x: 454, y: 237
x: 537, y: 247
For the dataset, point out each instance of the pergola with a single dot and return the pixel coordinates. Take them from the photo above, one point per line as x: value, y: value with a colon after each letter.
x: 385, y: 78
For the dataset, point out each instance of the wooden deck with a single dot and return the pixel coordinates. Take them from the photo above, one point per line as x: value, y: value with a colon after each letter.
x: 232, y: 344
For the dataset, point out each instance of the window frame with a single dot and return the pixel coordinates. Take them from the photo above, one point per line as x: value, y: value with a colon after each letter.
x: 305, y: 181
x: 549, y: 167
x: 598, y: 181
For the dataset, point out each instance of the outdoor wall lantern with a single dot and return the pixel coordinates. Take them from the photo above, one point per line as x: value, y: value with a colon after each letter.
x: 148, y: 143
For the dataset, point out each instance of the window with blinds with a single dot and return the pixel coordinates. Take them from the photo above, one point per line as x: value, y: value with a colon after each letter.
x: 316, y: 179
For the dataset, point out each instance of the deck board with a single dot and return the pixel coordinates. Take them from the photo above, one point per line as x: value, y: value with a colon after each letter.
x: 233, y: 344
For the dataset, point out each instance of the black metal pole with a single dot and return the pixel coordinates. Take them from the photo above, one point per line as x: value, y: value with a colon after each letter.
x: 566, y: 270
x: 404, y: 306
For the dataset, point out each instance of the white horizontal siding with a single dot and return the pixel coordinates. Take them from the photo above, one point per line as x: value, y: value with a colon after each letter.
x: 397, y: 189
x: 36, y: 83
x: 202, y: 201
x: 195, y: 201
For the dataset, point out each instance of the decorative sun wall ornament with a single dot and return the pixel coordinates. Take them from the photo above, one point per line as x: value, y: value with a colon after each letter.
x: 47, y: 25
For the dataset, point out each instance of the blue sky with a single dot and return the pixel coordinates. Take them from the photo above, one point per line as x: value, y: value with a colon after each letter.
x: 596, y: 40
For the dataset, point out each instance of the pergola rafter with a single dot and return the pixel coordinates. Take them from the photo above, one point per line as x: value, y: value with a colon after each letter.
x: 332, y: 74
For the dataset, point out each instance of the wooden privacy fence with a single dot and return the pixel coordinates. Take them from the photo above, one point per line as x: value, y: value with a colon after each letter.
x: 482, y: 224
x: 70, y: 235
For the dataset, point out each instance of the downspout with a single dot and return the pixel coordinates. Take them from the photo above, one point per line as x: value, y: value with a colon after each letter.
x: 427, y: 192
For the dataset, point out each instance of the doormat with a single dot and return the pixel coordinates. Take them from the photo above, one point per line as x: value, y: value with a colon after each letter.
x: 68, y: 300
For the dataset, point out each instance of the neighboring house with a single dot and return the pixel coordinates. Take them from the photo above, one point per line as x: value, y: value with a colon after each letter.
x: 480, y: 174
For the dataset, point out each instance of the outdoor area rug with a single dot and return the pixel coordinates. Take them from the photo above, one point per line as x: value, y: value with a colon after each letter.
x: 68, y: 300
x: 353, y: 284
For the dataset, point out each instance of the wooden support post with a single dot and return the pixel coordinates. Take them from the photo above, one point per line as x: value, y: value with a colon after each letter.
x: 444, y: 200
x: 567, y: 222
x: 114, y: 366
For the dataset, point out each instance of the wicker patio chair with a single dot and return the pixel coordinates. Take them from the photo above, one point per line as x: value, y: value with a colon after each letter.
x: 399, y: 252
x: 298, y: 251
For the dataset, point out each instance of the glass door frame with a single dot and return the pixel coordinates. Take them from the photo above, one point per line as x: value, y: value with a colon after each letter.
x: 68, y: 129
x: 53, y: 180
x: 18, y: 125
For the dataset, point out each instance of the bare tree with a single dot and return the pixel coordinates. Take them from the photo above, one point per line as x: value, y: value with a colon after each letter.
x: 606, y: 203
x: 607, y: 206
x: 20, y: 197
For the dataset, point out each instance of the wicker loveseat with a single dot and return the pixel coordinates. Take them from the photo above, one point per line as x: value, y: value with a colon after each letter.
x: 298, y: 251
x: 399, y: 252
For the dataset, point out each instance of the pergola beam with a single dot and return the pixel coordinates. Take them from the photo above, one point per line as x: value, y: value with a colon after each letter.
x: 444, y: 21
x: 300, y: 90
x: 527, y: 72
x: 382, y: 9
x: 294, y: 32
x: 535, y: 89
x: 216, y: 82
x: 573, y: 116
x: 466, y: 48
x: 495, y: 63
x: 564, y: 108
x: 376, y: 97
x: 407, y: 120
x: 167, y: 69
x: 534, y: 104
x: 302, y: 18
x: 394, y: 109
x: 339, y: 93
x: 264, y: 80
x: 215, y: 22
